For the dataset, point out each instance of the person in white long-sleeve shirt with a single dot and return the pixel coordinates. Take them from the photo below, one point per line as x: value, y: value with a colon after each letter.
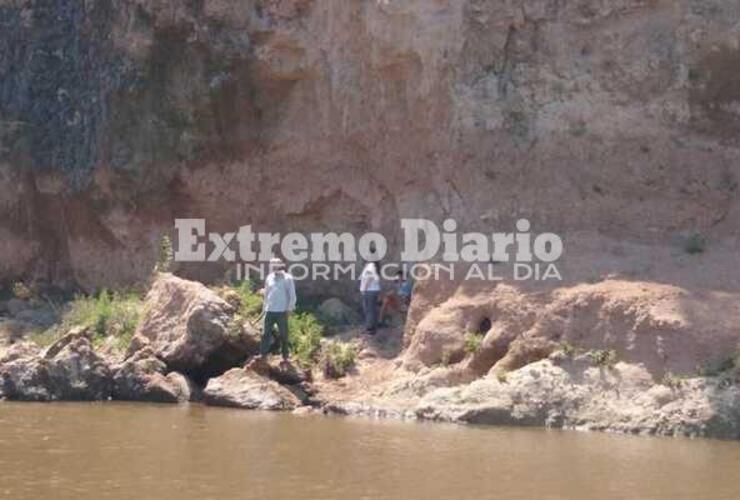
x: 279, y: 302
x: 370, y: 290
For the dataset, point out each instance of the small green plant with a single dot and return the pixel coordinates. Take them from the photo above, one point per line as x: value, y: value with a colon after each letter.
x: 251, y: 301
x: 603, y: 357
x: 338, y: 358
x: 304, y: 334
x: 672, y: 380
x: 22, y: 291
x: 248, y: 302
x: 473, y: 342
x: 502, y: 377
x: 106, y: 314
x: 695, y: 244
x: 568, y: 349
x: 165, y: 255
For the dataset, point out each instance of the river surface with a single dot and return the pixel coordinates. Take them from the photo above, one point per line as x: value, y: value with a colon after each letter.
x: 139, y: 451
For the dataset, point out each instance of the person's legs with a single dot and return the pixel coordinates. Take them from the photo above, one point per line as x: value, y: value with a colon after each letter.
x: 267, y: 325
x: 391, y: 304
x: 366, y: 309
x: 385, y: 304
x: 282, y: 324
x: 372, y: 316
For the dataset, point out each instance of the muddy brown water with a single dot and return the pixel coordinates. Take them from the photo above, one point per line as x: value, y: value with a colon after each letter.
x: 111, y: 450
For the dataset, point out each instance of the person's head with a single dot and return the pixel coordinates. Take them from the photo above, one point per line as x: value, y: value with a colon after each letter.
x: 277, y: 265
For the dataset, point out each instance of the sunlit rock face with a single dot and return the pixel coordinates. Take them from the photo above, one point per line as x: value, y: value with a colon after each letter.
x: 601, y: 120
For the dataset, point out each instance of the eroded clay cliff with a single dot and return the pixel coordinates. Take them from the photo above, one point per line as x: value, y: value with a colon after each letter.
x: 607, y: 121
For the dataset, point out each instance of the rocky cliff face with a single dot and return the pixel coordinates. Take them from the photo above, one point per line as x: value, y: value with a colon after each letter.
x: 604, y: 120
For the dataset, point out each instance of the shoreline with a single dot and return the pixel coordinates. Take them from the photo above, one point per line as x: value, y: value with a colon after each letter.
x: 195, y: 343
x: 377, y: 416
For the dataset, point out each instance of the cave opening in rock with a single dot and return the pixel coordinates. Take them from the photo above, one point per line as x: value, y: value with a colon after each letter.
x: 483, y: 326
x: 216, y: 365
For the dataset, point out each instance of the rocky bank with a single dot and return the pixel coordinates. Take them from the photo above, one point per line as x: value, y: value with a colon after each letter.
x: 631, y: 377
x: 612, y: 122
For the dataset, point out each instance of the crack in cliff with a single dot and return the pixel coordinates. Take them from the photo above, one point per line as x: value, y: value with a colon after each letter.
x: 504, y: 74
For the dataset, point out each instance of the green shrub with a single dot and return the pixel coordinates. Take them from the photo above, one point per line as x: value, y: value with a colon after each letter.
x: 107, y: 314
x: 338, y: 358
x: 250, y: 301
x: 695, y: 244
x: 165, y: 255
x: 569, y: 349
x: 305, y: 333
x: 249, y: 306
x: 473, y: 342
x: 22, y: 291
x: 603, y: 357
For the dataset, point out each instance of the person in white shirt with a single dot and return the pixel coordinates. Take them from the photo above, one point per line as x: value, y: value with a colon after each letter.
x: 279, y: 302
x: 370, y: 290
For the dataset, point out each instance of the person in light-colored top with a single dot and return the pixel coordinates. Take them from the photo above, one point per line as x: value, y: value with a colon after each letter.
x: 279, y: 302
x: 370, y: 290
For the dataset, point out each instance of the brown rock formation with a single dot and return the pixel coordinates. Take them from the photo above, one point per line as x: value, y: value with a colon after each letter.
x: 248, y: 389
x: 73, y: 372
x: 188, y: 326
x: 617, y: 120
x: 666, y: 328
x: 142, y: 377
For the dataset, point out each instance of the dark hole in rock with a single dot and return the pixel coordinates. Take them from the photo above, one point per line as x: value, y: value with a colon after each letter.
x: 484, y: 325
x: 217, y: 364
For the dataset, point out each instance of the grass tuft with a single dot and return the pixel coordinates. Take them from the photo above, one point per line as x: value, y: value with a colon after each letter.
x: 473, y: 342
x: 304, y: 334
x: 337, y: 358
x: 107, y: 314
x: 165, y: 255
x: 603, y: 357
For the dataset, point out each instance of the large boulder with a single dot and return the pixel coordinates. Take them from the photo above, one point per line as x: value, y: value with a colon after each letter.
x: 439, y: 338
x: 77, y: 372
x: 20, y: 377
x: 246, y: 388
x: 192, y: 329
x: 71, y: 371
x: 142, y: 377
x: 336, y: 312
x: 286, y: 372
